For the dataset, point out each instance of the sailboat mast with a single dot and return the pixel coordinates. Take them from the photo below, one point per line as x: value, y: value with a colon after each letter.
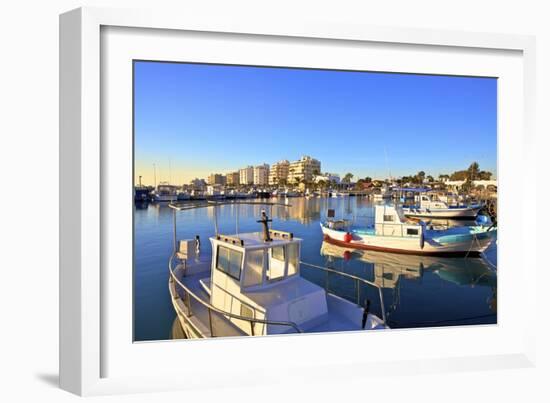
x: 387, y: 164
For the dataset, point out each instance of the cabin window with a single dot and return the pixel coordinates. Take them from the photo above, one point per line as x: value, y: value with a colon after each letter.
x: 254, y: 268
x: 388, y: 217
x: 412, y: 231
x: 246, y: 311
x: 278, y: 253
x: 229, y: 261
x: 276, y: 269
x: 293, y: 259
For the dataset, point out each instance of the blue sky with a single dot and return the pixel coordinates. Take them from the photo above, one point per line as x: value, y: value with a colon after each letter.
x: 192, y: 119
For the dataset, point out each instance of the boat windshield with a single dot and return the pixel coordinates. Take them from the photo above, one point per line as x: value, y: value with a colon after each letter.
x: 278, y: 262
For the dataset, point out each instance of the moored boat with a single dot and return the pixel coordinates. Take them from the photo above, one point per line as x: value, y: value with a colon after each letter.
x: 165, y: 193
x: 393, y: 232
x: 434, y: 208
x: 252, y: 286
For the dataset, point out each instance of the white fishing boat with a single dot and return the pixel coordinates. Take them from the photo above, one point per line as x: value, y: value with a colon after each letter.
x: 292, y: 193
x: 252, y: 286
x: 165, y: 192
x: 393, y: 232
x: 183, y: 195
x: 432, y: 207
x: 384, y: 193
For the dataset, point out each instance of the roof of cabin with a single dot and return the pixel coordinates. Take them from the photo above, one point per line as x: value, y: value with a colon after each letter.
x: 256, y: 239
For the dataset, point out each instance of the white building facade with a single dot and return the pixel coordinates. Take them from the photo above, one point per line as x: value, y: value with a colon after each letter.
x: 305, y: 169
x: 261, y: 175
x: 278, y: 173
x: 246, y: 175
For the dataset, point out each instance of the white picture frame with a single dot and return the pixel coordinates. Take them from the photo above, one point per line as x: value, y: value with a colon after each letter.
x: 86, y: 310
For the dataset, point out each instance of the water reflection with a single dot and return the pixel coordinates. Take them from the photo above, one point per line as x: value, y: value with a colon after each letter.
x: 417, y: 291
x: 422, y: 278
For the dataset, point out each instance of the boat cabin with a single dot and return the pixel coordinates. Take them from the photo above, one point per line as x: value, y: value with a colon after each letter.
x: 431, y: 201
x: 260, y: 279
x: 391, y: 221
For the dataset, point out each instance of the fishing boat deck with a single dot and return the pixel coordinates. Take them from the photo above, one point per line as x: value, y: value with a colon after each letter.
x: 199, y: 312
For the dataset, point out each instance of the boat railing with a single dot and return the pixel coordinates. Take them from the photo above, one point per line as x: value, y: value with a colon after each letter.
x: 357, y: 281
x: 190, y: 296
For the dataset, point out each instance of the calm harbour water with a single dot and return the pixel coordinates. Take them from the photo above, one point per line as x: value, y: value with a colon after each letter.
x: 417, y: 291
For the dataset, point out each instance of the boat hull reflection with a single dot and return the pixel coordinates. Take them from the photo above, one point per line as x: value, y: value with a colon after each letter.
x: 440, y: 290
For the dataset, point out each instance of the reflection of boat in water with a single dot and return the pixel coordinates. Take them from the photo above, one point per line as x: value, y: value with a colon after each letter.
x: 252, y: 286
x: 392, y: 232
x: 388, y: 267
x: 387, y: 270
x: 458, y: 270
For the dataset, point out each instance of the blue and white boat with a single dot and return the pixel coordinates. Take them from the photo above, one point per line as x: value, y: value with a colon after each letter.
x: 393, y: 232
x: 431, y: 207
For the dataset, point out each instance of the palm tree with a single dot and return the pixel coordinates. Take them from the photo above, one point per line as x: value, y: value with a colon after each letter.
x: 347, y: 177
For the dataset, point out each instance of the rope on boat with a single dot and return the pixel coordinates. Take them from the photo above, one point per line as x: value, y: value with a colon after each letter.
x: 482, y: 253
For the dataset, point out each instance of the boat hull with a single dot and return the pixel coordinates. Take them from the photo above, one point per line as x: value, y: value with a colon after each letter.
x: 459, y: 245
x: 165, y: 198
x: 466, y: 212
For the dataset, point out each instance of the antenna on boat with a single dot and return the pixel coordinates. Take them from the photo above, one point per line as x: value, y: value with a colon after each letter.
x: 264, y: 221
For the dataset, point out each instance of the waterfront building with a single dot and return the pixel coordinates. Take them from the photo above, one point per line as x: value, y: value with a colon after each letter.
x: 305, y: 169
x: 279, y: 172
x: 261, y: 174
x: 327, y: 177
x: 216, y: 179
x: 246, y: 175
x: 232, y: 178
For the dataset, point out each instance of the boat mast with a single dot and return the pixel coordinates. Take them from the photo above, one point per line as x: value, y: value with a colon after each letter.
x: 155, y: 174
x: 170, y: 171
x: 387, y: 164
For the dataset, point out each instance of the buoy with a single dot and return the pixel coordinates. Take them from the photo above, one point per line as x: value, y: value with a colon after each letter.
x: 347, y: 237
